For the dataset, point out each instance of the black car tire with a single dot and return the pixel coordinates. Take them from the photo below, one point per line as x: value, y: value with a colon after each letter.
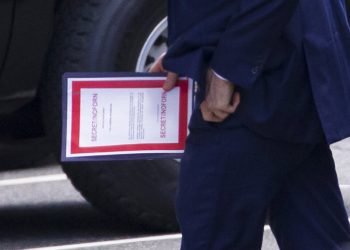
x: 107, y: 35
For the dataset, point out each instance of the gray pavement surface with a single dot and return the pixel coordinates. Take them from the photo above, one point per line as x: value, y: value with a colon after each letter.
x: 53, y: 213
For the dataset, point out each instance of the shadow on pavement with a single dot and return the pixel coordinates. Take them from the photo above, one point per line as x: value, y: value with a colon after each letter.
x: 55, y: 224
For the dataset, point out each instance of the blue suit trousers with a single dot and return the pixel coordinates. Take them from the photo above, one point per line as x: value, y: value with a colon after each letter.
x: 233, y: 180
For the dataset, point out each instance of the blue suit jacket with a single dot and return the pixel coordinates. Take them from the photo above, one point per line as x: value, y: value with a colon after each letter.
x: 289, y: 59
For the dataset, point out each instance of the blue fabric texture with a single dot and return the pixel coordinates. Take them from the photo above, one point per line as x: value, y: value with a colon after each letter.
x: 231, y: 180
x: 289, y: 59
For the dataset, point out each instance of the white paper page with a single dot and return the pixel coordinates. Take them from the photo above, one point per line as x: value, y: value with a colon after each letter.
x: 126, y: 116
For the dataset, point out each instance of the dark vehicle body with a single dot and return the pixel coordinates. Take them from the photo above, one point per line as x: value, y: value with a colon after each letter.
x: 42, y: 39
x: 26, y: 28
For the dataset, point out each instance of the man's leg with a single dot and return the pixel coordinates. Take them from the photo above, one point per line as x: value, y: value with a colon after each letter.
x: 309, y: 212
x: 227, y: 181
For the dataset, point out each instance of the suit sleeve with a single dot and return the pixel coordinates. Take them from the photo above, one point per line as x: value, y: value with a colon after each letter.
x: 248, y: 39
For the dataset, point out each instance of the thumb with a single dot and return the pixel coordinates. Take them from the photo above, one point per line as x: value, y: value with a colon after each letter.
x: 170, y: 81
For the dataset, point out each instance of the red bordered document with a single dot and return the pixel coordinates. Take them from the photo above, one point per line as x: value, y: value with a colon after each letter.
x: 118, y: 116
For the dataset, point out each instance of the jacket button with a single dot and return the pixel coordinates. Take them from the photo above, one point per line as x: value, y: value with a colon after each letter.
x: 256, y: 70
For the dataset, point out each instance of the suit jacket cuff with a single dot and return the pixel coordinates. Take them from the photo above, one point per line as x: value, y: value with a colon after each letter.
x: 249, y: 38
x: 236, y: 70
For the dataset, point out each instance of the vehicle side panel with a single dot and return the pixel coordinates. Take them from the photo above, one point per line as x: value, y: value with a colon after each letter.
x: 6, y: 14
x: 30, y: 36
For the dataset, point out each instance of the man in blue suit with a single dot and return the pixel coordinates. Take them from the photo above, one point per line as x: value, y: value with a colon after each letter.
x: 274, y: 91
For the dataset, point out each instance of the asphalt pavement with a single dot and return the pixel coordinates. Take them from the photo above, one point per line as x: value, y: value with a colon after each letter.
x: 39, y: 208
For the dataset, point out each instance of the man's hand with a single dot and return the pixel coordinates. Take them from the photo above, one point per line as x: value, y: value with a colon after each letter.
x: 220, y: 101
x: 171, y: 79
